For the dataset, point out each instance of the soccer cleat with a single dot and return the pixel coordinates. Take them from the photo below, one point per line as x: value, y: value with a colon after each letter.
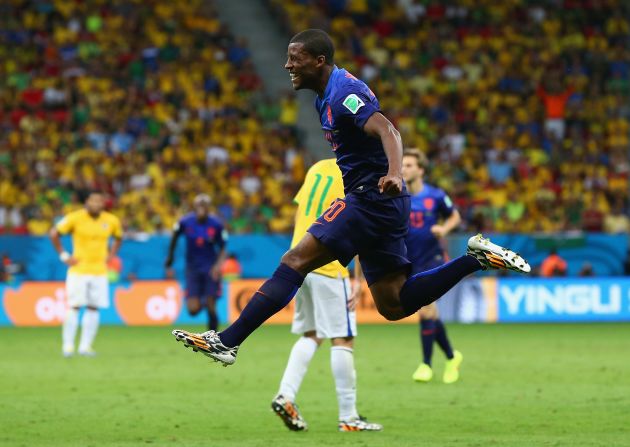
x: 87, y: 352
x: 289, y: 413
x: 359, y: 424
x: 209, y: 344
x: 67, y: 351
x: 493, y: 256
x: 424, y: 373
x: 451, y: 370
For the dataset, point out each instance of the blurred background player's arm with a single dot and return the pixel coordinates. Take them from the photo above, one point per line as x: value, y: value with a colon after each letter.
x: 177, y: 231
x: 63, y: 227
x: 449, y: 224
x: 215, y: 271
x: 117, y: 235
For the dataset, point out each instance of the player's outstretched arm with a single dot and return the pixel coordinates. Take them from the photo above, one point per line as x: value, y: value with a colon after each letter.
x: 379, y: 126
x: 171, y: 246
x: 448, y: 225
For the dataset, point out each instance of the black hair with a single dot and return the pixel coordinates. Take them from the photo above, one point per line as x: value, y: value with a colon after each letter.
x: 316, y: 43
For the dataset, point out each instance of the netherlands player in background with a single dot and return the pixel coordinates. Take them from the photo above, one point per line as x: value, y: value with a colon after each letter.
x: 371, y: 221
x: 205, y: 254
x: 432, y: 217
x: 86, y: 284
x: 323, y: 310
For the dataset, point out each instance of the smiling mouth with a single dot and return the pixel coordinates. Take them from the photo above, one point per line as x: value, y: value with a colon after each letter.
x: 293, y: 77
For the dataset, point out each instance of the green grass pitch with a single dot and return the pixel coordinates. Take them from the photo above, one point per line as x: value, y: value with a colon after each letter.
x: 521, y: 385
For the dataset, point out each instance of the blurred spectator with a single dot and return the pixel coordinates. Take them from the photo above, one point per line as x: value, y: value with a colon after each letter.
x: 231, y: 269
x: 150, y: 102
x: 114, y: 269
x: 553, y: 265
x: 586, y: 270
x: 617, y: 221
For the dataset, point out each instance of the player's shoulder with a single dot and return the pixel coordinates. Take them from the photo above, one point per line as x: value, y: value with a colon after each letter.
x: 111, y: 217
x: 434, y: 191
x: 187, y: 217
x: 346, y: 85
x: 215, y: 220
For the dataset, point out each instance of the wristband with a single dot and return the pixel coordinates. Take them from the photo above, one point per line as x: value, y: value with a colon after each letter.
x: 64, y: 256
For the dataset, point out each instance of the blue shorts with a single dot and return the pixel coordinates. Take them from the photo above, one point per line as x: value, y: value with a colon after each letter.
x: 370, y: 225
x: 200, y: 285
x: 432, y: 263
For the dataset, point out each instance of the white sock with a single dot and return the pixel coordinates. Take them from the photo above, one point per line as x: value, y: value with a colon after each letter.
x: 301, y: 355
x: 89, y: 327
x: 342, y: 364
x: 70, y: 326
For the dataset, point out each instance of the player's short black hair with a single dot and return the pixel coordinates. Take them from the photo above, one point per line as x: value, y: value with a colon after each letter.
x: 317, y: 43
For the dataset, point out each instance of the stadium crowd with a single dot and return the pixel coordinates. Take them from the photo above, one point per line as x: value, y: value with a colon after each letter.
x: 523, y: 106
x: 151, y: 102
x: 526, y: 117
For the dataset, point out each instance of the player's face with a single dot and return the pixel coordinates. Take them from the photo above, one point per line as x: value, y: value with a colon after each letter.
x: 95, y: 204
x: 411, y: 170
x: 201, y: 211
x: 304, y: 69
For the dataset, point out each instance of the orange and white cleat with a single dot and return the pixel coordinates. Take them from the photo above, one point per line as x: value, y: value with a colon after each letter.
x: 359, y: 424
x: 289, y: 413
x: 209, y: 344
x: 493, y: 256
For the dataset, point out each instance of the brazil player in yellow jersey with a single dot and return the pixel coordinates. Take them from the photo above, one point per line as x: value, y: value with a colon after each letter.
x: 86, y: 284
x: 323, y: 310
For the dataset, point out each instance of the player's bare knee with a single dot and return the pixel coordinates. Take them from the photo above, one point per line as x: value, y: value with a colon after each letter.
x: 313, y: 336
x: 346, y: 342
x: 390, y: 313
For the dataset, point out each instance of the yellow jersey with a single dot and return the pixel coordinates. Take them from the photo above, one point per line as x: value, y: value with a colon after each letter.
x: 90, y: 239
x: 322, y: 185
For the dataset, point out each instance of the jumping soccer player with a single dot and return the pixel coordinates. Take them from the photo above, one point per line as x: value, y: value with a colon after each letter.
x: 86, y: 283
x: 205, y: 254
x: 372, y: 219
x: 432, y: 217
x: 322, y: 311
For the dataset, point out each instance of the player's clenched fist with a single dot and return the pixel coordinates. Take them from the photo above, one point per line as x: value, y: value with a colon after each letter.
x: 390, y: 185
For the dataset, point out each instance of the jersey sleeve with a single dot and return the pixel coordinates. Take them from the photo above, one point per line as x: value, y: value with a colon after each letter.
x: 445, y: 205
x: 117, y: 230
x: 356, y: 103
x: 66, y: 225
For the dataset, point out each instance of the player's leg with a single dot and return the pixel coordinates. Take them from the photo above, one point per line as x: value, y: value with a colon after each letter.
x: 193, y: 292
x: 424, y: 372
x: 283, y: 404
x: 193, y: 305
x: 97, y: 298
x: 212, y: 291
x: 272, y: 296
x: 213, y: 319
x: 398, y: 296
x: 76, y: 296
x: 454, y: 358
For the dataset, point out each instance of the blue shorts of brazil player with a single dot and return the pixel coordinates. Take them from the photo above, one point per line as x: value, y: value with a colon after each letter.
x: 200, y: 285
x: 369, y: 224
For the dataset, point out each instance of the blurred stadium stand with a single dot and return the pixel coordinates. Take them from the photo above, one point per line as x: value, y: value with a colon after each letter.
x: 523, y: 106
